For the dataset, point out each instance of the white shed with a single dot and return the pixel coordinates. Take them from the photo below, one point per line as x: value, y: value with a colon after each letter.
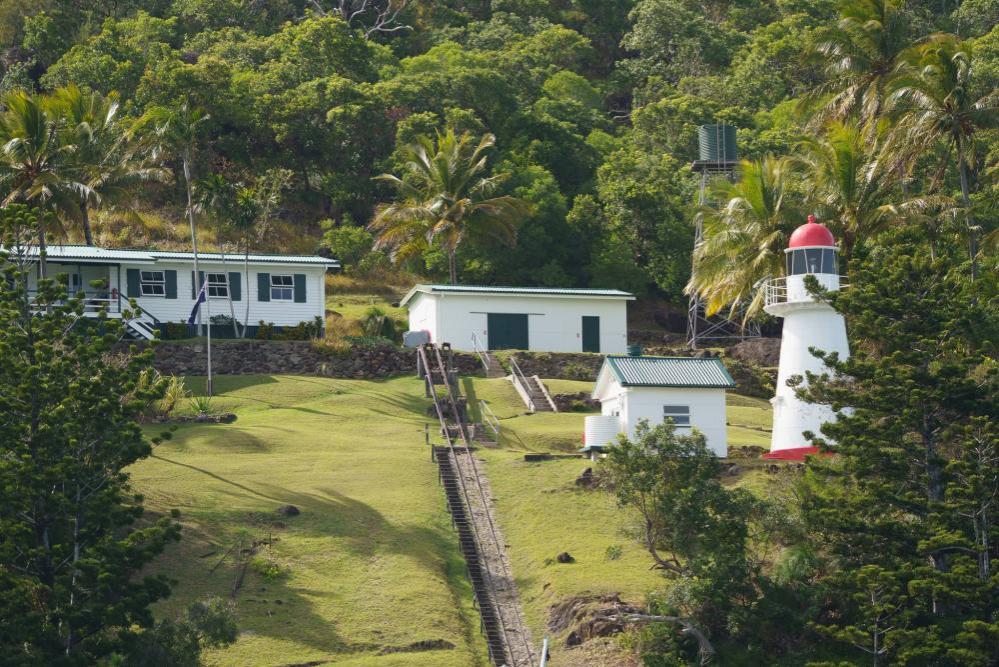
x: 689, y: 390
x: 523, y: 318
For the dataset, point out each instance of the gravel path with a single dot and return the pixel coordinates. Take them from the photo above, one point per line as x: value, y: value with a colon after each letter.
x: 493, y: 557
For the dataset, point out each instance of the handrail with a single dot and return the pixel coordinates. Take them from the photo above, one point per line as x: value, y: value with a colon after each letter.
x: 488, y: 417
x: 477, y: 348
x: 544, y: 390
x: 775, y: 290
x: 520, y: 384
x: 428, y: 371
x: 485, y: 504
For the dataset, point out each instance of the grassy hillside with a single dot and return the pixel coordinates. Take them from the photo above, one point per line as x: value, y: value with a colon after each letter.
x: 371, y: 564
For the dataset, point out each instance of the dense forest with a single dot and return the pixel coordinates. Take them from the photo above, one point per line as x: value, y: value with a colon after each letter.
x: 594, y: 108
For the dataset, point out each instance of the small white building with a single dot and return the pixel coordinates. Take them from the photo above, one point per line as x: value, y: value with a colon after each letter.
x: 688, y: 390
x: 521, y: 318
x: 282, y: 290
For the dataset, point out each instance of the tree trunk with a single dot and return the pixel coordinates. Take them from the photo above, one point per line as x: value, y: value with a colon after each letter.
x: 42, y: 262
x: 88, y: 233
x: 966, y: 198
x: 453, y: 266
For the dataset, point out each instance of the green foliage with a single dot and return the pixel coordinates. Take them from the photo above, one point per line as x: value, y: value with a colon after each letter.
x: 347, y: 243
x: 907, y: 507
x: 202, y: 405
x: 72, y: 547
x: 375, y: 323
x: 209, y: 623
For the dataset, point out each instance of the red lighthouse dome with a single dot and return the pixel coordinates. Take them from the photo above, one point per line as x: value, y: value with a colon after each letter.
x: 810, y: 235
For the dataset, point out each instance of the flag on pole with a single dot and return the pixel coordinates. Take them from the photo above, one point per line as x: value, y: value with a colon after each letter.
x: 202, y: 296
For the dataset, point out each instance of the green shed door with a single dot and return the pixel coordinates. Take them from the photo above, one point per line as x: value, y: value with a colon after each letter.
x: 507, y: 331
x: 591, y: 333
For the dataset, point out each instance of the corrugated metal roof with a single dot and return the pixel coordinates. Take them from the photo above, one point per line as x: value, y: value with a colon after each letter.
x: 520, y: 291
x: 277, y: 259
x: 95, y: 254
x: 670, y: 372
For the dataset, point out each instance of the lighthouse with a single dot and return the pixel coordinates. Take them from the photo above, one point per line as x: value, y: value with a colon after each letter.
x: 808, y: 322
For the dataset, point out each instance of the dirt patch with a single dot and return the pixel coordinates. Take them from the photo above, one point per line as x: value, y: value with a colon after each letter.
x: 760, y: 351
x: 415, y: 647
x: 589, y: 616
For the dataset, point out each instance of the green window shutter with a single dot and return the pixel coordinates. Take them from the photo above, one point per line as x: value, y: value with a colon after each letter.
x: 171, y: 283
x: 132, y: 281
x: 263, y: 287
x: 235, y: 291
x: 299, y: 288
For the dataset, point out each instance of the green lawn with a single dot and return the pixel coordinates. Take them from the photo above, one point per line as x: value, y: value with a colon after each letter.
x: 371, y: 563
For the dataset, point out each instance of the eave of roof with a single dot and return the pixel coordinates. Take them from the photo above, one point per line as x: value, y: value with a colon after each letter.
x: 679, y: 372
x: 79, y: 253
x: 480, y: 290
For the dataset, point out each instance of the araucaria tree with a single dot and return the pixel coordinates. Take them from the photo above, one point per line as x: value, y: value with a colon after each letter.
x: 908, y: 509
x: 72, y: 537
x: 446, y: 199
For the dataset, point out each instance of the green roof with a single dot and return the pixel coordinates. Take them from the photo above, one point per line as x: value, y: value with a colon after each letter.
x: 517, y: 291
x: 706, y: 372
x: 83, y: 253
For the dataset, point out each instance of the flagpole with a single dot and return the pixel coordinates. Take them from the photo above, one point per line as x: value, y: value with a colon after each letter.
x: 208, y: 316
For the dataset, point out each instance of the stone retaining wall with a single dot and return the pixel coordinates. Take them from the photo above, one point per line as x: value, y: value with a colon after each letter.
x: 251, y: 357
x: 294, y: 358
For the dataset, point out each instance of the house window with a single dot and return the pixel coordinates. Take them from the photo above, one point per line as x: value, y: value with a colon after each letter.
x: 152, y: 283
x: 282, y: 288
x: 680, y: 414
x: 218, y: 286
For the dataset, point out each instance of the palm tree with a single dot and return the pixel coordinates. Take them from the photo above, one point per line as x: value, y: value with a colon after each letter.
x: 105, y: 159
x: 860, y: 55
x: 446, y: 199
x: 174, y: 131
x: 36, y: 165
x: 932, y: 95
x: 744, y: 238
x: 848, y: 185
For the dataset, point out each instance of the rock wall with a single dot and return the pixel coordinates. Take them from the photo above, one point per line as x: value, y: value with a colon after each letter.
x: 294, y: 358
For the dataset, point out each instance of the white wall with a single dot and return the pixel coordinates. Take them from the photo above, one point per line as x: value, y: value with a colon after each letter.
x: 707, y: 411
x: 281, y: 313
x: 554, y: 323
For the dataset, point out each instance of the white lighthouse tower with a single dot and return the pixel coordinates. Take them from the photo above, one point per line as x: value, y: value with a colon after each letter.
x: 807, y: 323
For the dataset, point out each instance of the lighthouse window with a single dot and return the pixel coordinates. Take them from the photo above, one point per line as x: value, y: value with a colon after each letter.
x: 813, y: 256
x: 798, y: 262
x: 680, y: 414
x: 829, y: 261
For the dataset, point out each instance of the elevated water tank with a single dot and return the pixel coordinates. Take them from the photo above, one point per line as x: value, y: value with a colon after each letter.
x: 600, y: 430
x: 717, y: 143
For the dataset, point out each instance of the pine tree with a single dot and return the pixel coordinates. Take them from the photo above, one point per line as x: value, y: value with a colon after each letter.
x: 908, y: 506
x: 72, y: 537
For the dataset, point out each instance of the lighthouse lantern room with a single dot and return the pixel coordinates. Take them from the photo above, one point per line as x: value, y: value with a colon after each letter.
x: 808, y: 323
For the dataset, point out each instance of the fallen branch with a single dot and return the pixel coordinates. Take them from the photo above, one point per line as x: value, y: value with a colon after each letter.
x: 706, y: 650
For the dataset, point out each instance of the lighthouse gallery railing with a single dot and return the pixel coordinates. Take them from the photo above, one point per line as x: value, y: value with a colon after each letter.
x: 775, y: 289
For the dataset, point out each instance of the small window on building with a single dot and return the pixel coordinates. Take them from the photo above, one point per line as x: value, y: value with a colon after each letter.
x: 282, y: 288
x: 152, y: 283
x: 218, y: 286
x: 680, y: 414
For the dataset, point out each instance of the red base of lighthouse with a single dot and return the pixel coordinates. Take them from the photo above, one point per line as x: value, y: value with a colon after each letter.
x: 794, y: 454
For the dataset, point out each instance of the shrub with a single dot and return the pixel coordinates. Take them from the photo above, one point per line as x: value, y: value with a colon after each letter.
x: 176, y: 330
x: 268, y: 569
x: 347, y: 243
x: 576, y: 371
x: 377, y: 324
x: 614, y: 552
x: 203, y: 405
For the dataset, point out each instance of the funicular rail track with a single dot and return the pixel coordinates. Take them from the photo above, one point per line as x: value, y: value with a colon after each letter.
x: 468, y: 501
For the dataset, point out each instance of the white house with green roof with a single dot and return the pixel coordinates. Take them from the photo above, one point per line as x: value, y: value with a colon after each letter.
x: 543, y: 319
x: 688, y: 390
x: 283, y: 290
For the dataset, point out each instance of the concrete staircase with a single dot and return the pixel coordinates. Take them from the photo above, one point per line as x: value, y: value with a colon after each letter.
x: 538, y: 395
x: 494, y: 369
x: 491, y: 624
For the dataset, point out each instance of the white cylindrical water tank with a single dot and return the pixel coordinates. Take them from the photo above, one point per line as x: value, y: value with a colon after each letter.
x: 600, y: 430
